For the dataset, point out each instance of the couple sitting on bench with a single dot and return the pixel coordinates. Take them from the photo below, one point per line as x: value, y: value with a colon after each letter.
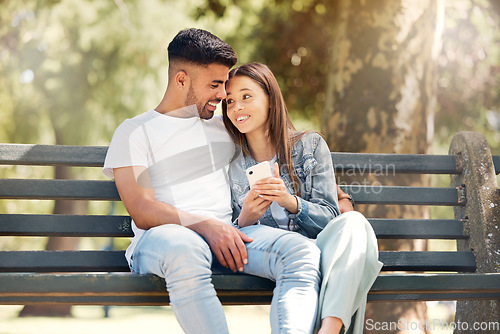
x: 181, y: 174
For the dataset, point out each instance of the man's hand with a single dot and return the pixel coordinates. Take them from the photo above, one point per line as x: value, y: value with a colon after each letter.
x: 345, y: 204
x: 225, y: 241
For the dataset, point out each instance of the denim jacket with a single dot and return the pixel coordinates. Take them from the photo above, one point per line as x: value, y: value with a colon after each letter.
x: 318, y: 202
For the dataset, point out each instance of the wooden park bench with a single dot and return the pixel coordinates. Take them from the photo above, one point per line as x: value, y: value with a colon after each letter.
x: 102, y: 277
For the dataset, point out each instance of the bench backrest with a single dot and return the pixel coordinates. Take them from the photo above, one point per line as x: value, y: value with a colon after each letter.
x: 119, y: 226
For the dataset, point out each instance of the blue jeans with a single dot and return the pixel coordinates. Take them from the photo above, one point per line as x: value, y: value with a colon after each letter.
x: 184, y: 259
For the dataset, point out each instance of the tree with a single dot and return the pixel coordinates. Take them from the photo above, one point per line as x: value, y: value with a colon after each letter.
x: 381, y: 97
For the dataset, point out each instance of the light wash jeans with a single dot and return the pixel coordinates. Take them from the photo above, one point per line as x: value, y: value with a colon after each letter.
x: 184, y: 259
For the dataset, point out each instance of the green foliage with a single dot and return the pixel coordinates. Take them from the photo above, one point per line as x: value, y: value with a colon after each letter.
x: 72, y: 71
x: 469, y: 65
x: 292, y: 37
x: 215, y: 7
x: 66, y: 64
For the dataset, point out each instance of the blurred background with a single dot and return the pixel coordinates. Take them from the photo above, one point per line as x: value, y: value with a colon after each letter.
x: 385, y: 76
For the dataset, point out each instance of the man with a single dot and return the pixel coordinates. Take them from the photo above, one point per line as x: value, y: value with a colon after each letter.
x: 170, y: 168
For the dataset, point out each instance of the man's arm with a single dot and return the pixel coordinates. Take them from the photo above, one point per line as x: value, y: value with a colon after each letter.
x: 137, y: 194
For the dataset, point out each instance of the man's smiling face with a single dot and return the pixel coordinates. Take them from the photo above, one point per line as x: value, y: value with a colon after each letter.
x: 207, y: 89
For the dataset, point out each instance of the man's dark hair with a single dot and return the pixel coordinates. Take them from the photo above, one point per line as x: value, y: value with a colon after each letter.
x: 200, y: 47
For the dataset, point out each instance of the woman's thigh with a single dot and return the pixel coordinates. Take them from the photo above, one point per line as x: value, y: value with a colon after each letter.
x: 272, y: 249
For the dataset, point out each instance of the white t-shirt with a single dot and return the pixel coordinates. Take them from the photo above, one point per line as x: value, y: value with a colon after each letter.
x: 187, y: 160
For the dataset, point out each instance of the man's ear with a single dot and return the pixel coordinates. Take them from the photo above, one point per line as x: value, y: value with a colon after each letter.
x: 182, y: 80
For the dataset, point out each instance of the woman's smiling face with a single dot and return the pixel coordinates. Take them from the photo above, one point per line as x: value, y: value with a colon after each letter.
x: 247, y: 105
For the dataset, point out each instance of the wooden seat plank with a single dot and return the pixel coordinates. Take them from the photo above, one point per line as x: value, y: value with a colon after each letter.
x: 127, y: 289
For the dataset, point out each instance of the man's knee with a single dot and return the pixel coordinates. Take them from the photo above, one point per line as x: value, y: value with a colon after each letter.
x: 177, y: 245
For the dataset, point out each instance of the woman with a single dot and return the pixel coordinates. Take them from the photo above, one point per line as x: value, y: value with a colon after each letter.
x: 302, y: 195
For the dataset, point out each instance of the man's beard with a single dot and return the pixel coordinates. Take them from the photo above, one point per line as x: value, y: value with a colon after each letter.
x: 191, y: 99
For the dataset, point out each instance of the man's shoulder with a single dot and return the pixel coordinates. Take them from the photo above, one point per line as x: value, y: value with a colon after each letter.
x: 141, y: 118
x: 131, y: 124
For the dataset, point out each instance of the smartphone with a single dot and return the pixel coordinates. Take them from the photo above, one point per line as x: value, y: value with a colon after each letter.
x: 258, y: 172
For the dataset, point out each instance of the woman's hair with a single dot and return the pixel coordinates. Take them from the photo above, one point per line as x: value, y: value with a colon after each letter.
x: 281, y: 132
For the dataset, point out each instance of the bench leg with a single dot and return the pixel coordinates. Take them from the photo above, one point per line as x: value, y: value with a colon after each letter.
x: 481, y: 215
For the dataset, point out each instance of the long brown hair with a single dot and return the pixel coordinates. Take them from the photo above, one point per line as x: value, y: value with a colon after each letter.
x: 281, y: 132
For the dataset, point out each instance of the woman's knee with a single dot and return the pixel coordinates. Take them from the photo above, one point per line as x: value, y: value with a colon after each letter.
x: 353, y: 221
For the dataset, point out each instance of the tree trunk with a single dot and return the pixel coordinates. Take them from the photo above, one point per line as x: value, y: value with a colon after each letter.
x: 381, y: 98
x: 59, y: 243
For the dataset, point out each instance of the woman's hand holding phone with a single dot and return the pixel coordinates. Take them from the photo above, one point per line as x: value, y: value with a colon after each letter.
x: 254, y: 207
x: 273, y: 189
x: 264, y: 189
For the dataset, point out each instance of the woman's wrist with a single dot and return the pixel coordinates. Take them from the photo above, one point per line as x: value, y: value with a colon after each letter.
x: 244, y: 221
x: 241, y: 221
x: 291, y: 204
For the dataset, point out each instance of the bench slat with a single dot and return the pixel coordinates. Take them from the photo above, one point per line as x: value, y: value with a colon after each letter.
x: 106, y: 190
x: 120, y: 226
x: 114, y: 261
x: 403, y: 195
x: 127, y: 289
x: 93, y: 156
x: 51, y: 155
x: 496, y: 163
x: 65, y: 225
x: 428, y: 261
x: 388, y: 164
x: 58, y: 189
x: 417, y: 228
x: 27, y: 154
